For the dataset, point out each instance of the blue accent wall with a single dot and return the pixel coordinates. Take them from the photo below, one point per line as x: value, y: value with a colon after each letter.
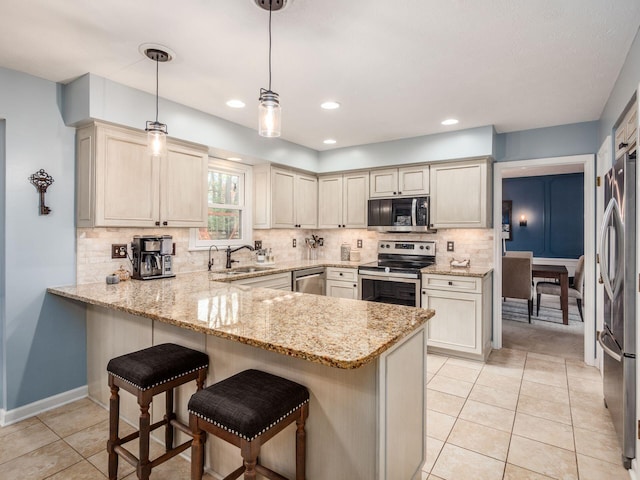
x: 554, y: 209
x: 44, y: 337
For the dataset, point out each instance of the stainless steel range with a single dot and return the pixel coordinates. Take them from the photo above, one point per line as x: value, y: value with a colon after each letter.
x: 395, y: 277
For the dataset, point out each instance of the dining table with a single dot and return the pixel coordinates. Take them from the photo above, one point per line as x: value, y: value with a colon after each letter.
x: 560, y: 273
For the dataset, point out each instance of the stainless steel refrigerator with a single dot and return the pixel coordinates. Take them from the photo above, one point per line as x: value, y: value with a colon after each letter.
x: 618, y: 273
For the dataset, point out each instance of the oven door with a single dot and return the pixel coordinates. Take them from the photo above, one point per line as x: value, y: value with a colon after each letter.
x: 389, y: 289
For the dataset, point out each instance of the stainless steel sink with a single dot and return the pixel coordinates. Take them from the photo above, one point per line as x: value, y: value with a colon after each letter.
x: 248, y: 270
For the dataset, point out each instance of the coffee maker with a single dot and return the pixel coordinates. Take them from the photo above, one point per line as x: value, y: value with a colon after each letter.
x: 152, y: 256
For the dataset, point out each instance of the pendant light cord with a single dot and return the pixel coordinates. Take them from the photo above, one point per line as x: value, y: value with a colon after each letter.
x: 270, y: 4
x: 157, y: 63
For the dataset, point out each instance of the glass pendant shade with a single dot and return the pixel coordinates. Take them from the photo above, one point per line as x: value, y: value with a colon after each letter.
x: 269, y: 113
x: 156, y: 139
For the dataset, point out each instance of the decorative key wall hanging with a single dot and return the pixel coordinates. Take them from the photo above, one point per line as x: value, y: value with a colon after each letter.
x: 42, y: 180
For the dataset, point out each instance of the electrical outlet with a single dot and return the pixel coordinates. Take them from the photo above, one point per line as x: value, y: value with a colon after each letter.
x: 321, y: 242
x: 450, y: 247
x: 257, y: 244
x: 118, y: 250
x: 294, y: 243
x: 359, y: 243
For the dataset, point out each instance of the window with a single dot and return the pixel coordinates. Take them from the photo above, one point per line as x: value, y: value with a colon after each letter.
x: 228, y: 195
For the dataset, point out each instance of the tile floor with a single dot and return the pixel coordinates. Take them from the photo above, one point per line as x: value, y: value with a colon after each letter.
x: 522, y: 415
x: 69, y: 443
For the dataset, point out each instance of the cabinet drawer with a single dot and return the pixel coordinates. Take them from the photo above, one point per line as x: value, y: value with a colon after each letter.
x: 452, y: 283
x: 278, y: 281
x: 343, y: 274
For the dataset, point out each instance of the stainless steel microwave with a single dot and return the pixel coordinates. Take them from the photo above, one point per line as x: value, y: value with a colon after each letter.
x: 409, y: 214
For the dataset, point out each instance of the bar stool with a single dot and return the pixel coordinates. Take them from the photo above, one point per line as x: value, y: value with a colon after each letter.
x: 147, y: 373
x: 247, y: 410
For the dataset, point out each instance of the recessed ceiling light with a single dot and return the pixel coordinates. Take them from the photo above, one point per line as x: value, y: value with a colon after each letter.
x: 330, y: 105
x: 329, y: 141
x: 234, y: 159
x: 235, y: 104
x: 449, y: 121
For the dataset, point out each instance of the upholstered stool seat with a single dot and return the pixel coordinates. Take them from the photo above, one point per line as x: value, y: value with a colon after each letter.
x: 246, y: 410
x: 146, y: 373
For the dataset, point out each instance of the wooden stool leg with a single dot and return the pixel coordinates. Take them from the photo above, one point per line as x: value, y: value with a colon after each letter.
x: 144, y: 466
x: 197, y: 449
x: 250, y: 452
x: 301, y: 443
x: 114, y: 418
x: 169, y: 415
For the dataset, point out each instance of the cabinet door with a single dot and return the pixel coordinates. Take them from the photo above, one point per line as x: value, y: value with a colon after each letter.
x: 621, y: 140
x: 330, y: 211
x: 306, y: 204
x: 183, y: 191
x: 127, y: 180
x: 632, y: 124
x: 383, y: 183
x: 413, y: 180
x: 283, y: 199
x: 457, y: 323
x: 342, y: 289
x: 354, y: 200
x: 459, y: 195
x: 262, y: 196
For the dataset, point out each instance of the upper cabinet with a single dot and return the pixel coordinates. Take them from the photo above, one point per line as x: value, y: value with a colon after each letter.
x: 120, y: 185
x: 626, y: 133
x: 284, y: 198
x: 342, y: 200
x: 404, y: 181
x: 461, y: 194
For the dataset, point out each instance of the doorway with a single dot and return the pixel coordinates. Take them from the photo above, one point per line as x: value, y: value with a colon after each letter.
x: 503, y: 169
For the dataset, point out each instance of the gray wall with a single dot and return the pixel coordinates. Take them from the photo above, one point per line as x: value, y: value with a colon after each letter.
x: 3, y: 255
x: 93, y: 97
x: 559, y: 141
x: 44, y: 336
x: 474, y: 142
x: 623, y: 90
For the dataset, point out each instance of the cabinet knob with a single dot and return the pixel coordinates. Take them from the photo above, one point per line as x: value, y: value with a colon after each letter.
x: 157, y: 223
x: 343, y: 226
x: 399, y: 193
x: 450, y: 283
x: 395, y: 193
x: 355, y: 285
x: 165, y: 223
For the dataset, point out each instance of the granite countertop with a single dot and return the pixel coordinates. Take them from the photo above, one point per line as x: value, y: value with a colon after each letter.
x: 221, y: 275
x: 458, y: 271
x: 336, y: 332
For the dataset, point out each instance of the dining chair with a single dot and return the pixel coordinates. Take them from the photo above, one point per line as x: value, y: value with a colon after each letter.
x: 517, y: 279
x: 575, y: 288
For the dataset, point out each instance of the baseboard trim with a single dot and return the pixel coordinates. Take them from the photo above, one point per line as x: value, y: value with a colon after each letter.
x: 7, y: 417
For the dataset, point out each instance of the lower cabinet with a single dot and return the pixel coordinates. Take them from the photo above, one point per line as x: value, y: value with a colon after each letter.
x: 462, y: 323
x: 278, y: 281
x: 342, y: 282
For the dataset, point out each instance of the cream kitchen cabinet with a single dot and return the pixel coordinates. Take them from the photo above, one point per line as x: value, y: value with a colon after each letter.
x: 403, y: 181
x: 342, y: 200
x: 284, y: 198
x: 462, y: 324
x: 461, y: 194
x: 342, y: 282
x: 626, y: 133
x: 120, y: 185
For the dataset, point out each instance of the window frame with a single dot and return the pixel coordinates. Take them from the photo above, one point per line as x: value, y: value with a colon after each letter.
x: 245, y: 195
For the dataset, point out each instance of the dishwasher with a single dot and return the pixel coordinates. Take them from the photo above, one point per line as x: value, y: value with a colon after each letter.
x: 309, y: 280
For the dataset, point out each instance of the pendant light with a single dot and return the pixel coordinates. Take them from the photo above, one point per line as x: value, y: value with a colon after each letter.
x: 269, y: 111
x: 156, y: 131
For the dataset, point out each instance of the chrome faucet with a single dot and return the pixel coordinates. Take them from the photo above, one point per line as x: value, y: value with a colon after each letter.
x: 211, y: 259
x: 230, y: 251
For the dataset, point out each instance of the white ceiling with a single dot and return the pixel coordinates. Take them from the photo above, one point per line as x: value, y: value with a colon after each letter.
x: 397, y: 67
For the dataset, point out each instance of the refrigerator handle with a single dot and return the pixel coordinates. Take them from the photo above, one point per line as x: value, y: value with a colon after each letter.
x: 617, y: 357
x: 611, y: 210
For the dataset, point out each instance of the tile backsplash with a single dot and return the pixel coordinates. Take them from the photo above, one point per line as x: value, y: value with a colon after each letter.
x: 94, y: 260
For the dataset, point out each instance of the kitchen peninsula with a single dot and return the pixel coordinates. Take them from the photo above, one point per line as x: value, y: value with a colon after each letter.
x: 364, y: 364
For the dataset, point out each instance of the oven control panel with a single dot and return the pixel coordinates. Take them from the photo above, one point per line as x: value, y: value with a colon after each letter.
x: 404, y: 247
